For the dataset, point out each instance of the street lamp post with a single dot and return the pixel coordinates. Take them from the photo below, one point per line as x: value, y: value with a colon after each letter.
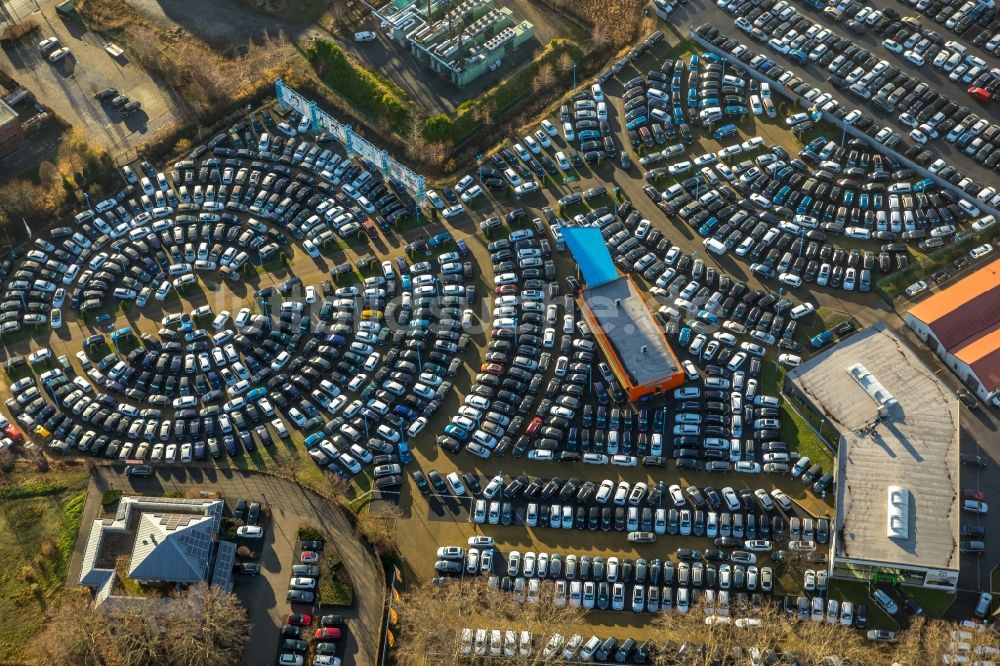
x: 250, y: 119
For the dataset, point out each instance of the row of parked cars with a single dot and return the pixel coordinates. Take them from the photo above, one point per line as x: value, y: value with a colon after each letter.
x: 928, y: 112
x: 780, y: 213
x: 294, y: 645
x: 213, y: 383
x: 526, y: 326
x: 497, y: 644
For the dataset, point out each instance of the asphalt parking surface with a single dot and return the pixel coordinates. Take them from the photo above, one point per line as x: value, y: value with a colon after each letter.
x: 698, y: 12
x: 429, y: 524
x: 264, y: 595
x: 68, y: 87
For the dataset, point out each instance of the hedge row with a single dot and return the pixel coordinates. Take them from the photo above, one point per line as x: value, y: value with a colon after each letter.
x: 368, y: 92
x: 515, y: 88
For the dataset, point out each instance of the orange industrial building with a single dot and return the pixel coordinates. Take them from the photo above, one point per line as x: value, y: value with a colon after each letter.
x: 625, y: 329
x: 961, y: 324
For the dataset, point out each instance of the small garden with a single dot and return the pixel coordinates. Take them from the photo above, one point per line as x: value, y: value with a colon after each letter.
x: 335, y: 587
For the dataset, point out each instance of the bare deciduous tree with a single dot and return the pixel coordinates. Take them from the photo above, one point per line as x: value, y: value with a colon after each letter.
x: 74, y: 634
x: 544, y: 79
x: 564, y: 64
x: 202, y: 626
x: 207, y: 627
x: 472, y: 604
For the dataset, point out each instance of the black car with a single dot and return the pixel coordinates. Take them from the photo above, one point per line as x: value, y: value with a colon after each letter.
x: 967, y: 398
x: 130, y: 108
x: 240, y: 511
x: 861, y: 617
x: 106, y: 94
x: 253, y: 514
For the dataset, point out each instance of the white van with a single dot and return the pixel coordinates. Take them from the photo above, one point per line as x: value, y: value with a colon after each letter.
x: 714, y: 246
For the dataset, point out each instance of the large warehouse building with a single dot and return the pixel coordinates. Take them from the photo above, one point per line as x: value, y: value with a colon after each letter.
x: 624, y: 327
x: 961, y: 324
x: 897, y: 467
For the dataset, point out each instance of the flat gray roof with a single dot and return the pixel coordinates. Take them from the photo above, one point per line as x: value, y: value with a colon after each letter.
x: 915, y: 446
x: 7, y: 114
x: 630, y: 328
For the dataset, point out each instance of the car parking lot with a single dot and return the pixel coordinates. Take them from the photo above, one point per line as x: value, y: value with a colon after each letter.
x: 737, y: 239
x: 834, y: 75
x: 69, y: 85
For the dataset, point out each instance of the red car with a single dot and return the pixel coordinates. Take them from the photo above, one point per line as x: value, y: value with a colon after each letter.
x: 981, y: 95
x: 492, y: 368
x: 506, y: 289
x: 328, y: 634
x: 298, y: 619
x: 533, y: 427
x: 14, y: 433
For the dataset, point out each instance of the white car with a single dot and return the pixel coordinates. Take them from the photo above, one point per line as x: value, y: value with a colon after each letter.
x: 59, y: 54
x: 471, y: 193
x: 790, y: 280
x: 916, y: 288
x: 526, y: 188
x: 791, y: 360
x: 453, y: 211
x: 435, y: 199
x: 892, y: 45
x: 917, y: 135
x: 364, y: 36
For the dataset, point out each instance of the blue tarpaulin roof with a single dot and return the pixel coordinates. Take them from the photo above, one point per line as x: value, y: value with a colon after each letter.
x: 591, y: 254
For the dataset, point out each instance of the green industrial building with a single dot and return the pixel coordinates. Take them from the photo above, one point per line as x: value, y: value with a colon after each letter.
x: 459, y: 39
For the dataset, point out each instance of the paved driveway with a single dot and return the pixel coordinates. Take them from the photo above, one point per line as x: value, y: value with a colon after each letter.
x: 68, y: 87
x: 264, y: 597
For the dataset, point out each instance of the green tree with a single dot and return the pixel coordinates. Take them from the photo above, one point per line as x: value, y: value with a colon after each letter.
x: 438, y: 128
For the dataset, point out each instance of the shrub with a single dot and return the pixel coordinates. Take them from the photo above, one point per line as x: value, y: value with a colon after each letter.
x: 309, y: 533
x: 15, y: 31
x: 438, y: 128
x: 110, y: 497
x: 229, y: 528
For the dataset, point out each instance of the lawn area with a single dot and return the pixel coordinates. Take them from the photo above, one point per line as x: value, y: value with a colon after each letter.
x: 287, y: 458
x: 823, y: 319
x: 335, y: 587
x: 794, y: 428
x: 39, y: 522
x: 934, y: 602
x: 856, y: 593
x: 682, y: 50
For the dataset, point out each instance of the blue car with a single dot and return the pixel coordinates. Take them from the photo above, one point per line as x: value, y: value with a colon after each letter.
x: 821, y: 339
x: 405, y: 456
x: 685, y: 336
x: 258, y: 392
x: 438, y: 239
x: 406, y: 412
